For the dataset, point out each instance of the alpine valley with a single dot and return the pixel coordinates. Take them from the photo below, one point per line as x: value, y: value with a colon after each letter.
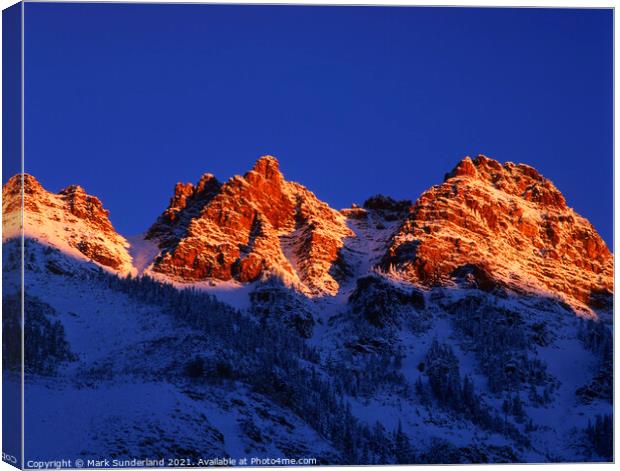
x: 252, y: 320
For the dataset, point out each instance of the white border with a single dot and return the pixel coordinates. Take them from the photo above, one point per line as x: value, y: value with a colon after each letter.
x: 22, y: 268
x: 479, y: 3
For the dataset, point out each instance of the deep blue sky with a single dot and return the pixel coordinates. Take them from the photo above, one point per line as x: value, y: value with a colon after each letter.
x: 126, y: 100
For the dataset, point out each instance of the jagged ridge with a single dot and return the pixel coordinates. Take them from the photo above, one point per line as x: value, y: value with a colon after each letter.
x: 487, y: 225
x: 250, y: 227
x: 503, y: 225
x: 70, y: 220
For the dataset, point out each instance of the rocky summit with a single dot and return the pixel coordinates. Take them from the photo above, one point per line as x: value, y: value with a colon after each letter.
x: 488, y: 226
x: 70, y: 220
x: 252, y: 226
x: 472, y: 325
x: 494, y: 225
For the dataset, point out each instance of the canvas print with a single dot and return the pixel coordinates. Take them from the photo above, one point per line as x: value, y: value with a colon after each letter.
x: 302, y: 236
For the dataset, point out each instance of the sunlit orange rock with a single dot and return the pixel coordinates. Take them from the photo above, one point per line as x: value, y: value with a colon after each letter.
x: 69, y: 220
x: 509, y: 222
x: 254, y: 225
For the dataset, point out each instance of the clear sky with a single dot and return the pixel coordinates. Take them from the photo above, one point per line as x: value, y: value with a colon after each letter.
x: 126, y: 100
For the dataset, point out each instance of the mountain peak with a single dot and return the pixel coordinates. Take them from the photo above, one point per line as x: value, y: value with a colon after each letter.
x: 266, y: 161
x: 71, y: 220
x: 14, y: 184
x: 520, y: 180
x: 267, y: 167
x: 251, y: 227
x: 86, y: 207
x: 207, y: 183
x: 465, y: 168
x: 503, y: 225
x: 187, y: 202
x: 72, y: 189
x: 509, y: 217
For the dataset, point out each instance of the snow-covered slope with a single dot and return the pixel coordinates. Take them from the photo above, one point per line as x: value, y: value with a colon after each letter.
x: 129, y: 391
x: 380, y: 345
x: 142, y: 363
x: 472, y: 326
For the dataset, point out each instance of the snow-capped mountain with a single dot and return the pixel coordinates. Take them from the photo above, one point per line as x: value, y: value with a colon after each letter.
x: 487, y: 225
x: 250, y: 227
x: 69, y: 220
x: 473, y: 325
x: 499, y: 225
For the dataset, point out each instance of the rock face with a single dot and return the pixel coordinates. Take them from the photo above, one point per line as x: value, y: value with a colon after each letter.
x: 186, y: 202
x: 487, y: 226
x: 250, y: 227
x: 70, y: 220
x: 389, y: 208
x: 497, y: 225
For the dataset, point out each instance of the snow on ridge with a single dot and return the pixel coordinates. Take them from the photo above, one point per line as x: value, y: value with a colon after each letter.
x: 70, y: 221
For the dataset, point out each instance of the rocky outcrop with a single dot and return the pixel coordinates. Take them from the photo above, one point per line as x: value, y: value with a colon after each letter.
x: 70, y: 220
x: 488, y: 226
x: 381, y: 303
x: 389, y: 208
x: 86, y: 208
x: 186, y: 202
x: 501, y: 225
x: 252, y: 226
